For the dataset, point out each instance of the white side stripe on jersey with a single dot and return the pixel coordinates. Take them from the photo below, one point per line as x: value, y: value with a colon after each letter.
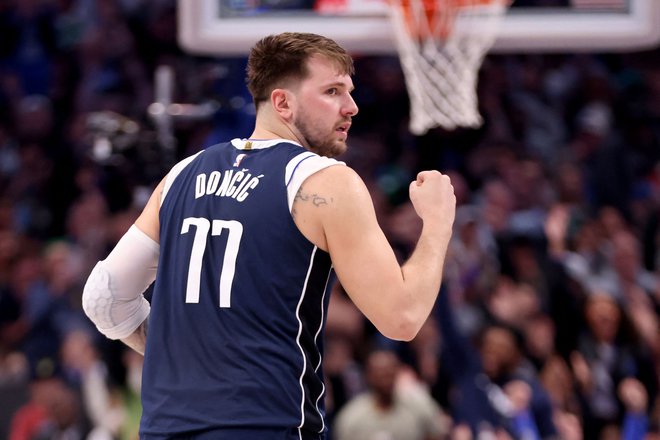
x: 302, y: 351
x: 316, y: 336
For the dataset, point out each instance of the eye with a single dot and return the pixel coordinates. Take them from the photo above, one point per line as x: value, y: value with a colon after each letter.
x: 332, y: 91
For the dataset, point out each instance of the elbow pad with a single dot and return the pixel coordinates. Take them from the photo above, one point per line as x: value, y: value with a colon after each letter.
x: 113, y: 295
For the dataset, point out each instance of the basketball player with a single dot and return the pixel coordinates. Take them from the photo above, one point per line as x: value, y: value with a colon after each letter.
x: 241, y: 239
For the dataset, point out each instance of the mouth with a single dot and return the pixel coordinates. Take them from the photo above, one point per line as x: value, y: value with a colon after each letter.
x: 343, y: 128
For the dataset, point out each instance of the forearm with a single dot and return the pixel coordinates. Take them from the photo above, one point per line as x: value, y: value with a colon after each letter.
x: 138, y: 339
x: 422, y: 273
x: 397, y: 300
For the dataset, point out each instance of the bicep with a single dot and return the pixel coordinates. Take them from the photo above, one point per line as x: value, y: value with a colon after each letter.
x: 362, y: 257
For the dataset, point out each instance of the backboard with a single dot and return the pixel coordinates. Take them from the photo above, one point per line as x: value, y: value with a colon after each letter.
x: 231, y: 27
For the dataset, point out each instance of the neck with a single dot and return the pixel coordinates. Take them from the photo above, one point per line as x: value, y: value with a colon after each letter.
x: 262, y: 133
x: 284, y: 133
x: 267, y: 127
x: 384, y: 401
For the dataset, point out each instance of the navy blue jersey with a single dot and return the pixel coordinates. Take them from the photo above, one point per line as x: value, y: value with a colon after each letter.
x: 239, y: 304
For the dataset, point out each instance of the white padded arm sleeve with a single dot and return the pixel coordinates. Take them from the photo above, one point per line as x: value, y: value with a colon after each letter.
x: 113, y: 295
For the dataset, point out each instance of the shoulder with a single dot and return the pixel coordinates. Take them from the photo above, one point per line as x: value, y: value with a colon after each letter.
x: 355, y: 409
x: 336, y: 178
x: 418, y: 401
x: 305, y: 163
x: 342, y: 185
x: 308, y: 171
x: 169, y: 179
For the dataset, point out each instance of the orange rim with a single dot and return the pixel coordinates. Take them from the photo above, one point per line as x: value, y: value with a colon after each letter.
x: 439, y: 16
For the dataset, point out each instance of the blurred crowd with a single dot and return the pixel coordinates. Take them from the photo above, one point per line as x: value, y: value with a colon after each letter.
x: 547, y: 323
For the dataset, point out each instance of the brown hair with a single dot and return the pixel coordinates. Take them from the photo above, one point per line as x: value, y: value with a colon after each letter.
x: 276, y: 59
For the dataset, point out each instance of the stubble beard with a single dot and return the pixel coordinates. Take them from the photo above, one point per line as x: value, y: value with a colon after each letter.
x: 327, y: 146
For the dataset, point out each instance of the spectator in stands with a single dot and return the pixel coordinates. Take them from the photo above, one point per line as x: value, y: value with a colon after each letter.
x: 608, y: 353
x: 385, y: 412
x: 53, y: 412
x: 588, y: 120
x: 480, y: 373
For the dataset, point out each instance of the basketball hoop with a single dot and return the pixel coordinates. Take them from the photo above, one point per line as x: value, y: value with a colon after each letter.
x: 441, y: 45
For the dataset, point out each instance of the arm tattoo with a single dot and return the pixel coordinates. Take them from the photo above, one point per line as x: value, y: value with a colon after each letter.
x: 138, y: 339
x: 316, y: 199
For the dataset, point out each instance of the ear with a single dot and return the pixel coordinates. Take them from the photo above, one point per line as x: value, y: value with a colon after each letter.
x: 282, y: 101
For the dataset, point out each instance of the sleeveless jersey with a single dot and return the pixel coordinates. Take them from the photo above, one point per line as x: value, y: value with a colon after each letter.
x: 239, y: 303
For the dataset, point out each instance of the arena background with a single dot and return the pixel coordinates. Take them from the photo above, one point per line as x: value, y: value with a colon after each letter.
x: 556, y: 237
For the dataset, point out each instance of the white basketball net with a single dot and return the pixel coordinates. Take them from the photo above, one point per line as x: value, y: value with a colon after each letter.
x: 441, y: 65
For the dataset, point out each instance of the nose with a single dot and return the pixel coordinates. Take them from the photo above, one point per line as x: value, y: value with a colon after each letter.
x: 350, y: 108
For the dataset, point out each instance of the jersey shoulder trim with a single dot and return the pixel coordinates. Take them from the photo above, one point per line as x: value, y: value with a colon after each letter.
x: 259, y: 144
x: 174, y: 172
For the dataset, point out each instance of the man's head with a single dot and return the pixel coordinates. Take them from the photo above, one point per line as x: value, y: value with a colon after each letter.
x: 301, y: 85
x: 603, y: 316
x: 279, y: 60
x: 499, y: 346
x: 382, y: 368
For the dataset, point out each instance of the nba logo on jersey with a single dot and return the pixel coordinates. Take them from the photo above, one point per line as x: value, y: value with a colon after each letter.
x: 238, y: 160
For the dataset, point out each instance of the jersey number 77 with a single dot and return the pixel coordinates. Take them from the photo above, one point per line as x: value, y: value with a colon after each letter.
x: 202, y: 228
